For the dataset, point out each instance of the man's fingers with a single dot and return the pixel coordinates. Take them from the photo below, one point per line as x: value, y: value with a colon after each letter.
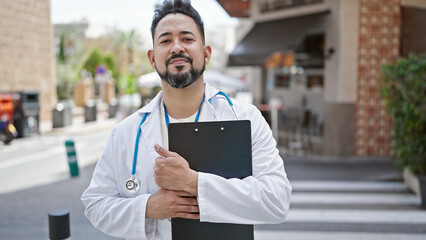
x: 188, y: 209
x: 187, y: 215
x: 190, y: 201
x: 162, y: 151
x: 184, y: 194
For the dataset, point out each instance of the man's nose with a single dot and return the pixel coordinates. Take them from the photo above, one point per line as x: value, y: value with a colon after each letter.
x: 177, y: 48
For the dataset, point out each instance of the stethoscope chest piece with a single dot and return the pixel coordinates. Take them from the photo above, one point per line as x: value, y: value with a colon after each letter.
x: 132, y: 185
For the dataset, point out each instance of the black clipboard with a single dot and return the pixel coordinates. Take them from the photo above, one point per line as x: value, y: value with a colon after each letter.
x: 222, y: 148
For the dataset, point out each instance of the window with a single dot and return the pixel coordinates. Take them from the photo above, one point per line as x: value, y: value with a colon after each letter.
x: 282, y: 81
x: 315, y: 81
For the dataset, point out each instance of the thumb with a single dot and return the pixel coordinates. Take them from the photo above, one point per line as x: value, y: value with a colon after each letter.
x: 162, y: 151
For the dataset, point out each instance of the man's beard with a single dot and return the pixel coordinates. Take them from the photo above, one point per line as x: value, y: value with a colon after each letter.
x: 180, y: 80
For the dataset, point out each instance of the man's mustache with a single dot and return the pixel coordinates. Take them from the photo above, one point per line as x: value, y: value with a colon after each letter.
x: 178, y: 56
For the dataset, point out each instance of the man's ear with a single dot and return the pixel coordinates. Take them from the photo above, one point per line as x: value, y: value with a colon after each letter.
x: 207, y: 54
x: 151, y: 58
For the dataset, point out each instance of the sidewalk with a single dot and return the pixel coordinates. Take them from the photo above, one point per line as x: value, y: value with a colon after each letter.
x: 78, y: 123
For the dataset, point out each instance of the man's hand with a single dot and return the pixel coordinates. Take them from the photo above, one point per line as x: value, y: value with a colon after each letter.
x: 171, y: 204
x: 172, y: 172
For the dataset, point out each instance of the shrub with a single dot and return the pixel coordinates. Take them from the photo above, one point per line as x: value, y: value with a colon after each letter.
x: 128, y: 84
x: 66, y: 77
x: 404, y: 90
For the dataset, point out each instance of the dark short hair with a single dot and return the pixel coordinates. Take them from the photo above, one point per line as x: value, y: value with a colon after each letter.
x: 173, y: 7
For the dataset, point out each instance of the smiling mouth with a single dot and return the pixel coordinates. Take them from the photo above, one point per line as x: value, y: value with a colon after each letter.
x: 178, y: 61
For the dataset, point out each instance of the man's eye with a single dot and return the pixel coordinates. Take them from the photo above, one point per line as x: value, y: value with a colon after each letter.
x: 165, y: 41
x: 187, y: 39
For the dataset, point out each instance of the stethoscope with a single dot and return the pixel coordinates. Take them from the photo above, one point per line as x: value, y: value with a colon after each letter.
x: 133, y: 183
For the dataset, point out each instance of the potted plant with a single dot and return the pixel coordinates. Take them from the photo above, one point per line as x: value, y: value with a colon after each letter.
x: 404, y: 90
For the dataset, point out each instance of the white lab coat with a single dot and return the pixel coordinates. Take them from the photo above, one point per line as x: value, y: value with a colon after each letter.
x: 258, y: 199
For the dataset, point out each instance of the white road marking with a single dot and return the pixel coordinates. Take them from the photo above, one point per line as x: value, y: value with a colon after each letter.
x: 32, y: 157
x: 296, y: 235
x: 355, y: 198
x: 357, y: 216
x: 49, y: 164
x: 347, y: 186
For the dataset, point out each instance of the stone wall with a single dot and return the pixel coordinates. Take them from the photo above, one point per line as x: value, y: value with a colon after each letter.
x: 26, y: 50
x: 379, y: 44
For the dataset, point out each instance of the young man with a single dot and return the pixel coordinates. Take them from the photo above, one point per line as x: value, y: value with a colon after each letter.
x: 140, y: 207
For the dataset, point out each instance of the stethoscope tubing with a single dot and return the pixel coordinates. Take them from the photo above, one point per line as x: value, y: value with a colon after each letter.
x: 135, y: 153
x: 166, y: 115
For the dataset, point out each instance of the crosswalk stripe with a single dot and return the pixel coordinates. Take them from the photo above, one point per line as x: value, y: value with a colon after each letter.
x: 357, y: 209
x: 295, y: 235
x: 357, y: 216
x: 366, y: 186
x: 355, y: 198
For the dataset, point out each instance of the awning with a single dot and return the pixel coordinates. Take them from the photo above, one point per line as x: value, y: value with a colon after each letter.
x: 265, y: 38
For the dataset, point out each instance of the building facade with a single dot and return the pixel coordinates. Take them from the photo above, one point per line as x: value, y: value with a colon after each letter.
x: 336, y: 49
x: 26, y: 51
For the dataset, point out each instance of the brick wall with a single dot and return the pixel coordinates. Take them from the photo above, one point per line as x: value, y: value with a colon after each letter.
x: 26, y: 50
x: 379, y: 36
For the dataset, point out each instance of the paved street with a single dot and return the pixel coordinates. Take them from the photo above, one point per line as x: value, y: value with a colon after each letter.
x: 332, y: 198
x: 34, y: 180
x: 41, y: 159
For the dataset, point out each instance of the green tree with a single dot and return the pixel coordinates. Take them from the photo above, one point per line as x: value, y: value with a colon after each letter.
x: 61, y: 55
x: 131, y: 40
x: 94, y: 59
x: 109, y: 61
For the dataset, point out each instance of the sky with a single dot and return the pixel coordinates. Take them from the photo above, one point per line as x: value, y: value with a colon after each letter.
x: 127, y: 14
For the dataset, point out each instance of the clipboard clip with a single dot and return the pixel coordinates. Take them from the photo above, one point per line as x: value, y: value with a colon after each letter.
x: 221, y: 128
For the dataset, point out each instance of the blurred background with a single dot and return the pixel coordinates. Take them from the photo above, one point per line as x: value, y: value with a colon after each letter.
x: 341, y: 83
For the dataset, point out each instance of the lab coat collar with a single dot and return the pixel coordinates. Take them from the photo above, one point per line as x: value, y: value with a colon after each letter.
x: 152, y: 125
x: 209, y: 91
x: 153, y: 105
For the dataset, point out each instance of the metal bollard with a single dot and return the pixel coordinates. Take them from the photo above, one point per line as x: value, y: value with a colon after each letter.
x: 62, y: 115
x: 59, y: 224
x: 90, y: 111
x: 112, y: 108
x: 72, y: 158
